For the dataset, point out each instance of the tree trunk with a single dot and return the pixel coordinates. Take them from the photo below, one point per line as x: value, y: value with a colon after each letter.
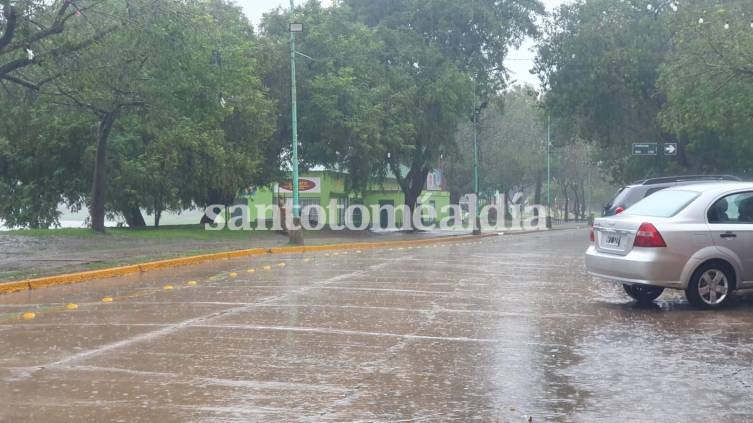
x: 133, y: 217
x: 577, y: 201
x: 414, y: 185
x: 537, y: 191
x: 215, y: 197
x: 205, y: 219
x: 584, y: 205
x: 566, y: 186
x: 157, y: 217
x: 97, y: 208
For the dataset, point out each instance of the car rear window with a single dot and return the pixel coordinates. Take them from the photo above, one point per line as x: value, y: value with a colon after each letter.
x: 664, y: 203
x: 619, y: 197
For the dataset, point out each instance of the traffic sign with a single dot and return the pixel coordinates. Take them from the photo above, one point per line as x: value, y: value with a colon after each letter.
x: 645, y: 149
x: 670, y: 149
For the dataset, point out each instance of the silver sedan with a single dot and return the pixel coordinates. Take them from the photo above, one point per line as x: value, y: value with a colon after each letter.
x: 697, y: 238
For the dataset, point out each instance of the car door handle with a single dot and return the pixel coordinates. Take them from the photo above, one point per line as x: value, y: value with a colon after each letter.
x: 728, y: 235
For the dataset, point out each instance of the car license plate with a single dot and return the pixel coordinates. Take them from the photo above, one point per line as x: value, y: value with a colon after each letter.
x: 612, y: 240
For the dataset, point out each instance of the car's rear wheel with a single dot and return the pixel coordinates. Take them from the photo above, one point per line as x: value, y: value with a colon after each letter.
x: 643, y: 293
x: 711, y: 286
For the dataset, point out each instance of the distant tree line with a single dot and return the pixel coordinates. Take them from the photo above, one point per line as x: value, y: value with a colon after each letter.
x: 126, y: 106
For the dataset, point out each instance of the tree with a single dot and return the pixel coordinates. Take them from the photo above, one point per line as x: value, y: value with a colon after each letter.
x: 433, y: 99
x: 41, y: 154
x: 174, y: 114
x: 599, y: 63
x: 386, y: 84
x: 445, y: 55
x: 512, y: 147
x: 708, y: 81
x: 27, y: 33
x: 341, y: 91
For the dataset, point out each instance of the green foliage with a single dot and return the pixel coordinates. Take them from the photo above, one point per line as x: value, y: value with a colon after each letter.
x: 599, y: 63
x: 174, y: 104
x: 636, y: 71
x: 190, y: 122
x: 39, y: 160
x: 708, y: 80
x: 438, y: 58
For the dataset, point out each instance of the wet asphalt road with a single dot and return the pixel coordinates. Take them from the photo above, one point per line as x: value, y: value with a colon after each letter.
x: 486, y: 331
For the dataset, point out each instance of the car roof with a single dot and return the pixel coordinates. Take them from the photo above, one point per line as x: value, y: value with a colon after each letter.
x: 713, y: 187
x: 684, y: 179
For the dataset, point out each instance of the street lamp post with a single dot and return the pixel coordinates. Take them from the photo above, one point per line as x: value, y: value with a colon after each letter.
x: 476, y: 217
x: 548, y: 171
x: 295, y: 234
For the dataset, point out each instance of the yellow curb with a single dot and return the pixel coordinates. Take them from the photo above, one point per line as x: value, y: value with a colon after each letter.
x: 29, y: 315
x: 72, y: 306
x: 7, y: 288
x: 81, y: 276
x: 246, y: 253
x: 288, y: 250
x: 65, y: 279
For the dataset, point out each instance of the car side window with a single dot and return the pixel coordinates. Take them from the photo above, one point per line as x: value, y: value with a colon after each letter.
x: 653, y: 190
x: 734, y: 208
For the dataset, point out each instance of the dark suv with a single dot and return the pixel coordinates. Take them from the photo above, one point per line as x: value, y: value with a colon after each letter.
x: 631, y: 194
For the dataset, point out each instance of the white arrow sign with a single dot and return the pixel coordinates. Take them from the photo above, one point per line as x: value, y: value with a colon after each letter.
x: 670, y: 149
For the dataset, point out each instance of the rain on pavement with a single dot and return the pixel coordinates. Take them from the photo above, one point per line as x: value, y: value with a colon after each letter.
x: 490, y: 330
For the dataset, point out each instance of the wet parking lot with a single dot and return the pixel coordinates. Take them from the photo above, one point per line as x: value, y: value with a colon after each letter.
x: 491, y: 330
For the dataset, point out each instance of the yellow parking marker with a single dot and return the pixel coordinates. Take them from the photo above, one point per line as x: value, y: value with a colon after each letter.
x: 306, y: 260
x: 233, y: 275
x: 251, y: 270
x: 280, y: 264
x: 359, y: 252
x: 326, y: 255
x: 168, y: 287
x: 267, y: 267
x: 72, y: 306
x: 191, y: 283
x: 29, y: 315
x: 107, y: 299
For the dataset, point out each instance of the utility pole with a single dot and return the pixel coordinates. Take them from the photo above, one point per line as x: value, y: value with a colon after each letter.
x: 296, y: 235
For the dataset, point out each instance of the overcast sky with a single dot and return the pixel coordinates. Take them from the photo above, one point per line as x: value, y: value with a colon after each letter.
x: 519, y: 61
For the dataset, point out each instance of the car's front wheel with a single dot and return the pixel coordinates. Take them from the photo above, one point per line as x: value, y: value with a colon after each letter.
x: 643, y: 293
x: 711, y: 286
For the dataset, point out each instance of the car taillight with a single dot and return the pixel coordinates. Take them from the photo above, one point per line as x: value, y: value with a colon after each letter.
x: 619, y: 210
x: 648, y: 236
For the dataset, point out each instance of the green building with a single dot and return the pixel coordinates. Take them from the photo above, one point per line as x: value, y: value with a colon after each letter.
x: 327, y: 186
